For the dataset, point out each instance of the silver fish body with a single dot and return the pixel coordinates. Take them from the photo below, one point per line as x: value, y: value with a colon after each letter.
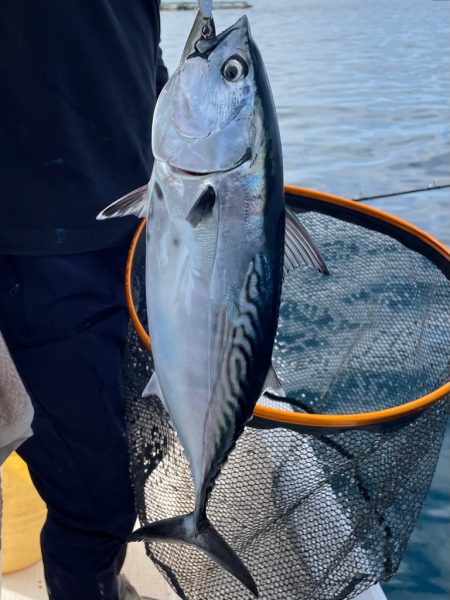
x: 213, y: 277
x: 215, y: 247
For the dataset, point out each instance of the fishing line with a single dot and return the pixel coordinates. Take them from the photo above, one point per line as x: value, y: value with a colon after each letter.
x: 426, y: 189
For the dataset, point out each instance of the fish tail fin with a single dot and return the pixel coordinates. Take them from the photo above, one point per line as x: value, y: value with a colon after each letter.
x: 202, y: 535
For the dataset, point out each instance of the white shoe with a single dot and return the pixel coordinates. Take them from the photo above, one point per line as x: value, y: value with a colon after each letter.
x: 128, y: 592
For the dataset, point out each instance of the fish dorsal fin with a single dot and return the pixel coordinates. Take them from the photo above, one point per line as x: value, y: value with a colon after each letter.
x: 134, y: 203
x: 272, y: 384
x: 299, y: 249
x: 203, y: 207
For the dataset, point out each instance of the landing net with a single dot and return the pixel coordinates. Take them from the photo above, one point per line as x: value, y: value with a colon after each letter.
x: 320, y: 495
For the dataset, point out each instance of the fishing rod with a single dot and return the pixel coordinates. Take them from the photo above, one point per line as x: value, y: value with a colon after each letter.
x: 404, y: 193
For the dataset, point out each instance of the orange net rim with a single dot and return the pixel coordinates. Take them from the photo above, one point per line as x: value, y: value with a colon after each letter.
x: 338, y: 421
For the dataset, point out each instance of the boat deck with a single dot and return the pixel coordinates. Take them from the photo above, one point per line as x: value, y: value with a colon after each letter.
x: 28, y: 584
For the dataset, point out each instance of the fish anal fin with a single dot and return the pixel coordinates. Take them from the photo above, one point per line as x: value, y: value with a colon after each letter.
x: 300, y: 250
x: 134, y: 203
x: 153, y: 388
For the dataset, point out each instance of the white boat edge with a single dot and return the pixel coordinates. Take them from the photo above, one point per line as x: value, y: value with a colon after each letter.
x: 373, y: 593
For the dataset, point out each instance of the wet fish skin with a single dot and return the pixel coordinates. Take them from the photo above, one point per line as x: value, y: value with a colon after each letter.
x: 212, y: 251
x: 215, y: 247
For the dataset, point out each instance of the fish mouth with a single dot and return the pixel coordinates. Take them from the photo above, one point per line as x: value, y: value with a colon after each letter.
x: 245, y: 158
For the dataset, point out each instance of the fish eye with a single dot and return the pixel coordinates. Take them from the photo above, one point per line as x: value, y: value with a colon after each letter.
x: 234, y: 69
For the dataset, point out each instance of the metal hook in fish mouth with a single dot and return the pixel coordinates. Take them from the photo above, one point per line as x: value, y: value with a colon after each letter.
x: 207, y: 30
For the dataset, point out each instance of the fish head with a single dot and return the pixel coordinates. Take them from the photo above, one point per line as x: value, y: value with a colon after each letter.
x: 207, y: 118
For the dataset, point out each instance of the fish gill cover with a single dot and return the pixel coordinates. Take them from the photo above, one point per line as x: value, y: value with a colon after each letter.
x: 316, y: 515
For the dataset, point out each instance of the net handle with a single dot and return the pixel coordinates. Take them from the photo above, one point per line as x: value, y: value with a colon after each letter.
x: 340, y: 421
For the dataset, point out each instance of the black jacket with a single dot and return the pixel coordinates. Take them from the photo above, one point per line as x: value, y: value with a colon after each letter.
x: 78, y: 83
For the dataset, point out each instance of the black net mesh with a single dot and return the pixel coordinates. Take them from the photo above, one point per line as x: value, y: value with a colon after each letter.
x: 315, y: 514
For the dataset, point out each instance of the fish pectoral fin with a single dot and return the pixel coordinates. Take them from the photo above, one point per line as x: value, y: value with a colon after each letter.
x: 134, y: 203
x: 299, y: 249
x: 272, y: 384
x: 203, y: 207
x: 185, y: 529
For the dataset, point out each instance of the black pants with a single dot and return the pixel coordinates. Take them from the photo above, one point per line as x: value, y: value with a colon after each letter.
x: 64, y: 320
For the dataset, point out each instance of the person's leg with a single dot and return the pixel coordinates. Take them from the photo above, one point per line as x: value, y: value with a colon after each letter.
x: 65, y: 321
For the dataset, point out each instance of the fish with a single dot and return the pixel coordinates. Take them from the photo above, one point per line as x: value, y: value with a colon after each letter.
x: 219, y: 242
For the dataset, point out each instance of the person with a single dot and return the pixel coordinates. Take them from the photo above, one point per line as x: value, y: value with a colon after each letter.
x: 16, y: 413
x: 79, y: 81
x: 16, y: 410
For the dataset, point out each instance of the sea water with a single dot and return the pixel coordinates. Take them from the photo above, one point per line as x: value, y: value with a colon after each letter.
x: 361, y: 90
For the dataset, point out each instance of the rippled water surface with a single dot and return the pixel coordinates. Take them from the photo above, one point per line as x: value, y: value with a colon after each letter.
x: 361, y: 89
